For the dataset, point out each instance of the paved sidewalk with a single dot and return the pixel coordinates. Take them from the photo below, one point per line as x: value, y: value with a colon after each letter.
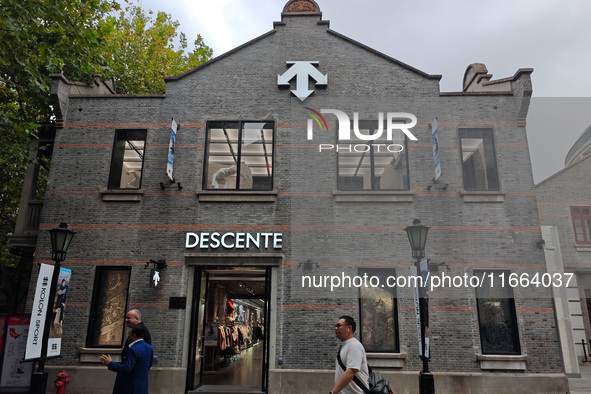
x: 581, y: 385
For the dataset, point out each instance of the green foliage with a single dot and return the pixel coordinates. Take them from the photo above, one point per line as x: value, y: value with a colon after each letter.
x: 78, y: 38
x: 140, y: 50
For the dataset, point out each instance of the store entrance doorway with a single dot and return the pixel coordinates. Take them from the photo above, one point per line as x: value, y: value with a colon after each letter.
x: 229, y: 335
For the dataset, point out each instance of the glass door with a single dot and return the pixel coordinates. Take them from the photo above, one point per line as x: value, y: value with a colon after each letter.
x: 196, y: 331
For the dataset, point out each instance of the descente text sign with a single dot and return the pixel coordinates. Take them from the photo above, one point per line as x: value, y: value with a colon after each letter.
x: 214, y: 240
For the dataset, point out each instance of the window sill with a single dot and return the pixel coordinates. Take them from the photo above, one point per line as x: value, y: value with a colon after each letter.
x: 237, y: 196
x: 483, y: 196
x: 502, y: 362
x: 386, y: 360
x: 91, y: 355
x: 583, y: 248
x: 134, y: 195
x: 373, y: 196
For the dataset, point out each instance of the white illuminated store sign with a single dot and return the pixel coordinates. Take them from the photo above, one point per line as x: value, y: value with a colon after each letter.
x: 214, y: 240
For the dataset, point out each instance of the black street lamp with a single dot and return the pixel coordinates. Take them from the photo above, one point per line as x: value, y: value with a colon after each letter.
x: 60, y: 241
x: 417, y: 236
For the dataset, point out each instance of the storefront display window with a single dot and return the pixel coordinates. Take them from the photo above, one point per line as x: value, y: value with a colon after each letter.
x: 496, y: 315
x: 378, y: 310
x: 379, y: 164
x: 109, y: 302
x: 239, y: 156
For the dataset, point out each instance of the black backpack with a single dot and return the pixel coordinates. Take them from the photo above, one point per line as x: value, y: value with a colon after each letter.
x: 377, y: 383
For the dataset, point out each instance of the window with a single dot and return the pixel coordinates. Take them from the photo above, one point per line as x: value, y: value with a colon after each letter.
x: 378, y: 311
x: 582, y: 224
x: 247, y: 143
x: 128, y: 159
x: 479, y: 164
x: 109, y: 301
x: 496, y: 315
x: 379, y: 164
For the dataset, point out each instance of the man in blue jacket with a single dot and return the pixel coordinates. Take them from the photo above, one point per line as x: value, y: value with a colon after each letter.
x: 132, y: 373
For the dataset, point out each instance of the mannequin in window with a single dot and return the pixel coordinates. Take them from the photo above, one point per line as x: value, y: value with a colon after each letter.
x: 230, y: 308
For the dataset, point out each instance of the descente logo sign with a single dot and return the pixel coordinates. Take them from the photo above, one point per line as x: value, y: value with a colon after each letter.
x: 230, y: 240
x: 402, y: 121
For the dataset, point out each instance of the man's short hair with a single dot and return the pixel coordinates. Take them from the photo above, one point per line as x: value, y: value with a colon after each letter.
x: 139, y: 331
x: 137, y: 314
x: 349, y: 321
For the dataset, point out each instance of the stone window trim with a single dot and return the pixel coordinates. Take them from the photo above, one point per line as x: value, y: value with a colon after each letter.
x: 363, y: 196
x: 91, y: 355
x: 483, y: 196
x: 237, y: 196
x: 382, y: 361
x: 502, y: 362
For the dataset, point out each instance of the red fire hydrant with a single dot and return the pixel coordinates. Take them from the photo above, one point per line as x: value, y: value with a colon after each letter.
x: 60, y: 382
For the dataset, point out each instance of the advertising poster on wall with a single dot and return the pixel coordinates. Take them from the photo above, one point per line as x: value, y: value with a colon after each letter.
x: 211, y: 334
x: 59, y: 309
x: 14, y: 373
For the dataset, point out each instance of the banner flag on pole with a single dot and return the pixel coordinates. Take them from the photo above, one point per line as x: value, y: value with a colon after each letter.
x: 40, y: 304
x: 54, y: 343
x: 170, y: 162
x: 435, y: 136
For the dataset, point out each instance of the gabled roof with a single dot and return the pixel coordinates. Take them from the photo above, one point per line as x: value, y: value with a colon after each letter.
x: 304, y: 8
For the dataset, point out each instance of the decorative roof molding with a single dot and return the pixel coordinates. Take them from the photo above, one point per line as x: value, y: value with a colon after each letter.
x: 301, y: 7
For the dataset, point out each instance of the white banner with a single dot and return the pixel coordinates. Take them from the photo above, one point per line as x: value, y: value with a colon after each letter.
x: 435, y: 137
x: 171, y: 145
x: 40, y: 304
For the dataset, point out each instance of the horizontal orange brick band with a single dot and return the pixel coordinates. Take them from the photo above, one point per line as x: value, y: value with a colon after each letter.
x: 317, y: 307
x: 351, y: 228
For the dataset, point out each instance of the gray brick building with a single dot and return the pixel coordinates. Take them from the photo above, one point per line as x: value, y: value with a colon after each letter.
x: 288, y: 234
x: 565, y: 204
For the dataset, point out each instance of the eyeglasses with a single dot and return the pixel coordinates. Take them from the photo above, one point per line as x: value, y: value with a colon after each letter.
x: 339, y: 325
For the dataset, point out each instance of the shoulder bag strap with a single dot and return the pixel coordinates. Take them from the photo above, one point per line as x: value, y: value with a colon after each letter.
x: 358, y: 382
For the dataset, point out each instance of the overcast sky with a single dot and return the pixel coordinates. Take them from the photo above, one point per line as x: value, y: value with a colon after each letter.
x: 443, y: 37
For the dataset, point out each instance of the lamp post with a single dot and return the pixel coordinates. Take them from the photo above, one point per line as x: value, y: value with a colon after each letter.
x: 60, y: 241
x: 417, y: 236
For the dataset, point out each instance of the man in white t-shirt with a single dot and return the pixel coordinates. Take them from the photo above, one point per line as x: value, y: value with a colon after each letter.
x: 353, y: 357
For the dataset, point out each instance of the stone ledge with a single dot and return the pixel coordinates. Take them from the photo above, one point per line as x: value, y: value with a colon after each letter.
x: 91, y: 355
x: 134, y: 195
x: 503, y: 362
x: 583, y: 248
x: 373, y: 196
x: 482, y: 196
x: 237, y: 196
x: 385, y: 360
